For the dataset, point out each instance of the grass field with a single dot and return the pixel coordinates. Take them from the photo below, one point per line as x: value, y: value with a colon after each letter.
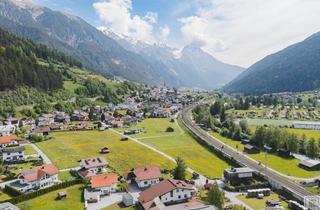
x: 71, y: 86
x: 260, y: 204
x: 184, y: 145
x: 119, y: 206
x: 29, y: 150
x: 286, y: 166
x: 66, y: 148
x: 49, y: 202
x: 154, y: 127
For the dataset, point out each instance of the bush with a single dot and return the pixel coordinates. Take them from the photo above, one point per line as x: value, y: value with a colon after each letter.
x: 170, y: 129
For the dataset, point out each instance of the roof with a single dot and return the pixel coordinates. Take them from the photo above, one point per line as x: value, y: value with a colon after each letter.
x: 8, y: 206
x: 42, y: 130
x: 38, y: 172
x: 104, y: 180
x: 162, y: 188
x: 146, y: 173
x: 85, y: 173
x: 13, y: 149
x: 7, y: 139
x: 94, y: 162
x: 309, y: 163
x: 240, y: 170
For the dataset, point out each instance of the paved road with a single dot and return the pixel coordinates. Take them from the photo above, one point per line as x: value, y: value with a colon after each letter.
x: 46, y: 160
x: 243, y: 160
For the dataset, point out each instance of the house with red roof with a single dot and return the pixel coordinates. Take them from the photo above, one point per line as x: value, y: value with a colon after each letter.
x: 101, y: 185
x: 144, y: 176
x: 166, y: 192
x: 8, y: 140
x: 37, y: 178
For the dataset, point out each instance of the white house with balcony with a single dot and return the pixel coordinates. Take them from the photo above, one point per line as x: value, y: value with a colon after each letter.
x: 37, y: 178
x: 12, y: 154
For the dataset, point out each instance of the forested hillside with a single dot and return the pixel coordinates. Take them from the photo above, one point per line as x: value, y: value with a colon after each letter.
x: 18, y: 64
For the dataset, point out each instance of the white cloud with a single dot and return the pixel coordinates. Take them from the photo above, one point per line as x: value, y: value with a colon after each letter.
x: 244, y: 31
x: 164, y: 33
x: 116, y: 15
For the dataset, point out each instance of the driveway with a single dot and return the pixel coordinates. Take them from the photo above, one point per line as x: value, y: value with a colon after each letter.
x: 106, y: 201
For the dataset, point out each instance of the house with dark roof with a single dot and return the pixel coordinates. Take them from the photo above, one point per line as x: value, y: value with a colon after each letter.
x: 12, y: 154
x: 250, y: 149
x: 92, y: 166
x: 166, y: 192
x: 37, y: 178
x: 144, y: 176
x: 310, y: 164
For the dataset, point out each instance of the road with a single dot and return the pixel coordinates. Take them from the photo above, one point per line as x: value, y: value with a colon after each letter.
x: 298, y: 191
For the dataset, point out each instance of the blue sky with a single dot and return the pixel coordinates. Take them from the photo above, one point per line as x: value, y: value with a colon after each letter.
x: 238, y: 32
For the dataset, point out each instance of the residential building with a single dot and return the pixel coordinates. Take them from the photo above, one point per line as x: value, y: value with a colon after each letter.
x: 5, y: 130
x: 92, y: 166
x: 144, y: 176
x: 101, y: 185
x: 236, y: 175
x: 166, y: 192
x: 8, y: 140
x: 37, y: 178
x: 12, y: 154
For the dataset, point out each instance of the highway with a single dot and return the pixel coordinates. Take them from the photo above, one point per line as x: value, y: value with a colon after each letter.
x: 298, y: 191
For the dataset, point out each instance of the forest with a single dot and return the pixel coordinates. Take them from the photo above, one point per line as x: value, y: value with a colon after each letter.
x: 19, y: 64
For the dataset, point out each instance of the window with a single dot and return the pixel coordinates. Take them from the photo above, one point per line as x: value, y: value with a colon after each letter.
x: 145, y: 182
x: 185, y: 195
x: 171, y: 194
x: 177, y: 190
x: 179, y: 196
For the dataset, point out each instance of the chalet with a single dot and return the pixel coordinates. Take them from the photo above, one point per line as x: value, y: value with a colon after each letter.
x: 165, y: 193
x: 256, y: 192
x: 101, y: 185
x: 310, y: 164
x: 235, y: 176
x: 82, y: 125
x: 12, y: 121
x: 92, y: 166
x: 117, y: 123
x: 45, y: 120
x: 55, y: 127
x: 79, y: 116
x: 12, y: 154
x: 250, y: 149
x: 37, y: 178
x: 144, y: 176
x: 62, y: 117
x: 41, y: 131
x: 8, y: 140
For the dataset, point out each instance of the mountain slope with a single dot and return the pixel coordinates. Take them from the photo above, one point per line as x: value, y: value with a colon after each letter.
x: 74, y: 36
x: 294, y: 69
x: 192, y: 68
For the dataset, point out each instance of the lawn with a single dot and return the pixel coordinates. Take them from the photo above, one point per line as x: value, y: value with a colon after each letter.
x: 65, y: 176
x: 260, y: 204
x: 48, y: 201
x: 154, y: 127
x: 71, y: 86
x: 66, y: 148
x: 29, y: 150
x: 195, y: 155
x: 284, y: 165
x: 119, y: 206
x: 22, y: 167
x: 4, y: 196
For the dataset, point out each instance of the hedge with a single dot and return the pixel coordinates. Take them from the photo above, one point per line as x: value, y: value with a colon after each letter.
x: 37, y: 193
